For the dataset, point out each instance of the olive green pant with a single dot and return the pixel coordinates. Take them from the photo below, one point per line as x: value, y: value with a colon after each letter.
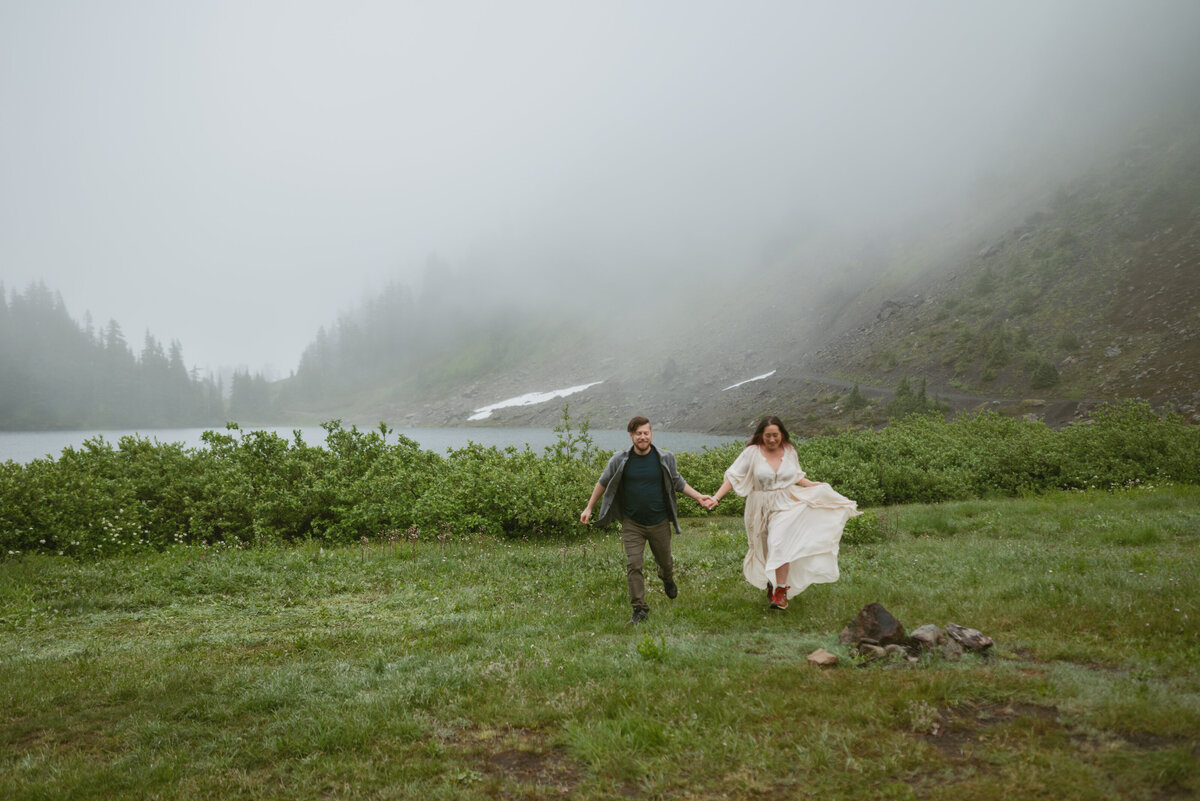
x: 635, y: 536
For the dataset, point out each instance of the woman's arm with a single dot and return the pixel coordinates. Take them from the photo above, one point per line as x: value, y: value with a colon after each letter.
x: 738, y: 472
x: 803, y: 479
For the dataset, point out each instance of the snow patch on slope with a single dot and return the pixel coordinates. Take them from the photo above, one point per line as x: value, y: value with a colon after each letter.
x: 529, y: 399
x: 748, y: 380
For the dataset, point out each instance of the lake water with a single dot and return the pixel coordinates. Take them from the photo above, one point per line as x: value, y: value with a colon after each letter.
x: 25, y: 446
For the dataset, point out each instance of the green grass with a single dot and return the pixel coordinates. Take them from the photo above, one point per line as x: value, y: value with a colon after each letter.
x: 488, y: 669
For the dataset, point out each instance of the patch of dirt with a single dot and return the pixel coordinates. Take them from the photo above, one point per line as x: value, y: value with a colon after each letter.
x: 957, y: 728
x: 518, y: 761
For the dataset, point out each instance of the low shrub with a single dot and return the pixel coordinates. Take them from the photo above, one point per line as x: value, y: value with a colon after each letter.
x: 249, y: 487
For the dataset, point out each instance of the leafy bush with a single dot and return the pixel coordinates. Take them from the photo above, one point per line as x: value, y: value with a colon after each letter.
x: 251, y: 487
x: 508, y: 492
x: 924, y: 459
x: 96, y: 499
x: 705, y: 471
x: 1126, y: 444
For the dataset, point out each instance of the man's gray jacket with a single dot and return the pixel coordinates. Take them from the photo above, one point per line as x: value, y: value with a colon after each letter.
x: 610, y: 479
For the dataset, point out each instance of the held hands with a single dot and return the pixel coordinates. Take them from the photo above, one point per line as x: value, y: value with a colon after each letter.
x: 707, y: 501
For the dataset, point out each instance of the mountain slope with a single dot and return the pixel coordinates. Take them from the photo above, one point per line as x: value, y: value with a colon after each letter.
x: 1094, y: 298
x: 1046, y: 302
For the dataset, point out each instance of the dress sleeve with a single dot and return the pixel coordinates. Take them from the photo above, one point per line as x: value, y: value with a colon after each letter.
x: 740, y: 474
x: 796, y: 463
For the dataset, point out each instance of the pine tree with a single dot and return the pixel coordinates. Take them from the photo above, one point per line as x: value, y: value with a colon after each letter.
x: 855, y: 400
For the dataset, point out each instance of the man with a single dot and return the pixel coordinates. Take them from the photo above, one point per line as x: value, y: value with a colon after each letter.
x: 639, y: 487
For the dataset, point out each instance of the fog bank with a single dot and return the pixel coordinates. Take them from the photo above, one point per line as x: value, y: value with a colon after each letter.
x: 233, y: 175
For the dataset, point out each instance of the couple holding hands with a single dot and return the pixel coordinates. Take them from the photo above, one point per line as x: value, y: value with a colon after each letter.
x: 793, y: 525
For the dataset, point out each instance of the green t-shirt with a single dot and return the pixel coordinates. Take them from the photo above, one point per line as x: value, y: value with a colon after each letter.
x: 642, y: 489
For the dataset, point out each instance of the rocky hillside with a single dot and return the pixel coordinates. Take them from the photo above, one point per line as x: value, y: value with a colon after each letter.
x: 1093, y: 298
x: 1071, y: 296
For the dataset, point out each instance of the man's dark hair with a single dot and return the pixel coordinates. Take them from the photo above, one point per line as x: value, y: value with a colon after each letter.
x: 636, y: 423
x: 769, y: 421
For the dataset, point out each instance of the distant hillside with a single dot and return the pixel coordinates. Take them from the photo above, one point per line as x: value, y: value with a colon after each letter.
x: 1045, y: 303
x: 1094, y: 297
x: 426, y: 358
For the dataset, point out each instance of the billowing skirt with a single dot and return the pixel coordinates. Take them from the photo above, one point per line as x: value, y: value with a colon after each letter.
x: 796, y: 526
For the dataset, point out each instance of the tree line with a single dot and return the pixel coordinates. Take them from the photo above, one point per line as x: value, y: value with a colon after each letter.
x: 56, y: 373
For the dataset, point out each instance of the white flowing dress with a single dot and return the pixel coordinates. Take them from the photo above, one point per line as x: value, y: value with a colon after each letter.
x: 787, y: 524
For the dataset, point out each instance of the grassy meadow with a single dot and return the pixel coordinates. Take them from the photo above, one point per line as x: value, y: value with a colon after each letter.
x: 481, y: 668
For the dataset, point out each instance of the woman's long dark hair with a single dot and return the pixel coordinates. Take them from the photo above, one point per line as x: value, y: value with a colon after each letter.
x: 770, y: 420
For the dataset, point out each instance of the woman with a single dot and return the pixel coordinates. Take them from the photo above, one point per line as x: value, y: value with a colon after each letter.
x: 793, y: 525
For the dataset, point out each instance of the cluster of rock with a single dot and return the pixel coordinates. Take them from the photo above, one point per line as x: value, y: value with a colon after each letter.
x: 876, y: 634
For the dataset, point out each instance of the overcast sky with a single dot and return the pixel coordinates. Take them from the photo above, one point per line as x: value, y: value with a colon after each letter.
x: 235, y: 174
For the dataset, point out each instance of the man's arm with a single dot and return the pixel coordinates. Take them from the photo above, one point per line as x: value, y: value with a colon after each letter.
x: 725, y: 488
x: 586, y: 515
x: 682, y: 486
x: 704, y: 500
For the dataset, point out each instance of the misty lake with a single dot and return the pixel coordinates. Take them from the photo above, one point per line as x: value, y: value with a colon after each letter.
x: 25, y: 446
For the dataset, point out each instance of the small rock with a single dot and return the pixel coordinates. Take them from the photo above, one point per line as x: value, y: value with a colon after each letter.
x: 971, y: 639
x: 822, y: 658
x: 952, y: 650
x: 876, y: 651
x: 927, y: 637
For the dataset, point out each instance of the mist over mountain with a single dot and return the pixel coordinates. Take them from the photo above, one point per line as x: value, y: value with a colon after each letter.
x: 1045, y: 296
x: 415, y: 210
x: 1095, y: 293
